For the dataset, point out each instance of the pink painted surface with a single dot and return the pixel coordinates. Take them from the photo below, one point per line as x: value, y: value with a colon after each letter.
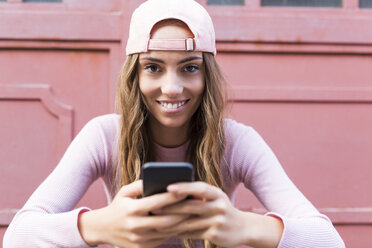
x: 60, y: 87
x: 304, y: 84
x: 358, y: 236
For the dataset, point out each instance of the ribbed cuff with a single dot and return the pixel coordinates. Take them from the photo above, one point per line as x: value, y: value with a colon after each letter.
x: 77, y: 236
x: 278, y: 216
x: 308, y: 232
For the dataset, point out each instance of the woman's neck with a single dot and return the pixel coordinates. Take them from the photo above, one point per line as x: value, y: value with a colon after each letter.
x: 168, y: 136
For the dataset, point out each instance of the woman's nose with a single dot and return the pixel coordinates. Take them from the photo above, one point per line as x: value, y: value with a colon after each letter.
x: 171, y: 85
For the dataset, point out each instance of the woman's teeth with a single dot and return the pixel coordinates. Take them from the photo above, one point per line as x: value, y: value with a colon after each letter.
x: 172, y: 106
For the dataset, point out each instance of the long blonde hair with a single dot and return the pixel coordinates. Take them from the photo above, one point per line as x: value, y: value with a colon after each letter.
x: 207, y: 142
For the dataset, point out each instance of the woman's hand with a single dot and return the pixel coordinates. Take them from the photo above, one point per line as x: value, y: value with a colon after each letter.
x: 214, y: 218
x: 126, y: 221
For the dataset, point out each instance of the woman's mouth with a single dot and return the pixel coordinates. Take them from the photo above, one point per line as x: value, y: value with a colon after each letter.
x: 172, y: 105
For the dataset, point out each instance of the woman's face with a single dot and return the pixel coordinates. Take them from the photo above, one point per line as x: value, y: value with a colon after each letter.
x: 171, y: 82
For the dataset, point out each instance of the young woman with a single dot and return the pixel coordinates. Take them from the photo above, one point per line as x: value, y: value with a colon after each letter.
x: 171, y: 109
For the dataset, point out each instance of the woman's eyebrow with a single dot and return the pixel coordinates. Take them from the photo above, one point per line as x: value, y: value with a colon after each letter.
x: 189, y: 59
x: 153, y: 59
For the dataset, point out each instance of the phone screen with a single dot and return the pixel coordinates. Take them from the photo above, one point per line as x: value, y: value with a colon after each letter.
x: 158, y: 175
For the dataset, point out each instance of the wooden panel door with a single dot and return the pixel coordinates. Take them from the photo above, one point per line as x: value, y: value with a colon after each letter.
x: 58, y: 68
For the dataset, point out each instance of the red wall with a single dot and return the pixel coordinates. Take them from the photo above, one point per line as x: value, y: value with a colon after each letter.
x: 300, y: 76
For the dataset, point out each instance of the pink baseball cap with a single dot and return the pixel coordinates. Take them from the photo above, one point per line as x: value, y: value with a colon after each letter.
x: 188, y: 11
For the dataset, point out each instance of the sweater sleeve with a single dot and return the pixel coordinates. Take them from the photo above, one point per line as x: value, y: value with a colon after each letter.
x: 253, y: 163
x: 48, y: 219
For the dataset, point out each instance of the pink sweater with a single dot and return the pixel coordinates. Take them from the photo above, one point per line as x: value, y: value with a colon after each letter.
x: 48, y: 219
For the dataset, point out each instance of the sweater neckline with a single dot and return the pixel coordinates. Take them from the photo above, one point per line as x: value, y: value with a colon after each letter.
x: 171, y: 154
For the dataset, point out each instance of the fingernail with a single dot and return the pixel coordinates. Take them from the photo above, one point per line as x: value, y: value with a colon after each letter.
x: 172, y: 188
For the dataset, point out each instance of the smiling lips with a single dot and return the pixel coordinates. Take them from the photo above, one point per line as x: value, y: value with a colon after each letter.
x: 172, y: 105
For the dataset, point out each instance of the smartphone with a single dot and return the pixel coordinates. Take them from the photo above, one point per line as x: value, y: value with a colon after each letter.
x: 158, y: 175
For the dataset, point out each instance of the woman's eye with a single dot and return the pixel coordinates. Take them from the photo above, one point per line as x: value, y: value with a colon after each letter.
x: 152, y: 68
x: 191, y: 68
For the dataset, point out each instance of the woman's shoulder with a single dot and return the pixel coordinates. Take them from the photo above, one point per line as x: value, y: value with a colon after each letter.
x: 103, y: 128
x: 239, y: 134
x: 106, y: 119
x: 235, y: 128
x: 107, y: 122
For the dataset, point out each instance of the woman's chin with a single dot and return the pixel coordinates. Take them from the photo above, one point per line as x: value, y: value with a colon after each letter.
x: 172, y: 123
